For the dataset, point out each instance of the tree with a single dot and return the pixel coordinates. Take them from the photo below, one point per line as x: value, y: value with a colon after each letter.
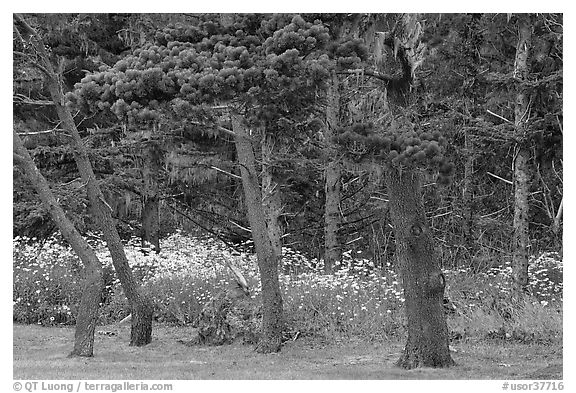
x: 422, y: 280
x: 89, y: 303
x: 525, y: 98
x: 152, y: 155
x: 404, y: 151
x: 271, y: 195
x: 420, y: 272
x: 141, y: 307
x: 522, y: 157
x: 332, y: 251
x: 250, y: 72
x: 272, y: 313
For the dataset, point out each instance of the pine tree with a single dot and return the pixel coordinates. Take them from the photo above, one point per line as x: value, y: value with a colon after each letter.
x: 248, y: 73
x: 404, y: 152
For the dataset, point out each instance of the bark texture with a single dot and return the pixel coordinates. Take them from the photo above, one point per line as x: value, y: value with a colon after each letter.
x: 332, y: 188
x: 422, y: 279
x: 151, y: 198
x: 522, y: 174
x: 558, y: 219
x: 271, y: 199
x: 93, y: 282
x: 272, y: 308
x: 141, y: 306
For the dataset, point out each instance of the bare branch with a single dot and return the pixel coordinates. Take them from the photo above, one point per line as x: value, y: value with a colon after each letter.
x: 105, y: 203
x: 354, y: 240
x: 40, y: 132
x: 493, y: 213
x: 498, y: 116
x: 441, y: 214
x: 499, y: 178
x: 225, y: 172
x: 240, y: 226
x: 218, y: 127
x: 22, y: 99
x: 374, y: 74
x: 226, y: 131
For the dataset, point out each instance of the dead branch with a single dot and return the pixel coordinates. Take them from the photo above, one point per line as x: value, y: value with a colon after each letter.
x: 499, y: 178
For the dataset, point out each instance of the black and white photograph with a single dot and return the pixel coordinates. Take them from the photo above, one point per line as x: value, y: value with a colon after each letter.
x: 287, y: 196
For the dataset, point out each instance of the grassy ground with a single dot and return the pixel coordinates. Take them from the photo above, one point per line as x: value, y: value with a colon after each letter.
x: 41, y: 353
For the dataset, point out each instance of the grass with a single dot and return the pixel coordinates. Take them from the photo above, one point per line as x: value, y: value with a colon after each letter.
x: 41, y: 353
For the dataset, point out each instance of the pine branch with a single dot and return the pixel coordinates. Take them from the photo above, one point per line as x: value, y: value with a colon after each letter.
x: 22, y: 99
x: 374, y: 74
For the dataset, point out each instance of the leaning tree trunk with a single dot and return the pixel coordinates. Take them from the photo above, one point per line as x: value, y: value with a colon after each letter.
x: 272, y: 319
x: 558, y: 219
x: 151, y: 197
x: 271, y: 201
x: 141, y: 306
x: 332, y: 249
x: 522, y: 176
x: 93, y: 282
x: 423, y: 282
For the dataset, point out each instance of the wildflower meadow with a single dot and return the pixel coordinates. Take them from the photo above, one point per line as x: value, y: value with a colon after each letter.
x: 359, y: 300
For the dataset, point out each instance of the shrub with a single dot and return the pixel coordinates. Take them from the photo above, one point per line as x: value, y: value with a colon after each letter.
x: 357, y: 301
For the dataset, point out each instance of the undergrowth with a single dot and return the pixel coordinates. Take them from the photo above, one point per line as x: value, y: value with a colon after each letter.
x: 357, y: 301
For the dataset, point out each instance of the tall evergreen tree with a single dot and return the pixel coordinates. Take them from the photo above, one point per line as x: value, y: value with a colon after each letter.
x: 404, y: 151
x: 207, y: 76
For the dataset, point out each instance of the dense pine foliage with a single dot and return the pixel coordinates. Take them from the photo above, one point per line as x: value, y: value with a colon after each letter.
x: 276, y: 66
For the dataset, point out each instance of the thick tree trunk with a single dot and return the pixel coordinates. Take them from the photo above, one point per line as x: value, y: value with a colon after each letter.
x: 151, y: 197
x: 521, y: 216
x: 141, y: 306
x: 522, y: 175
x: 423, y: 282
x: 271, y: 200
x: 93, y: 282
x: 332, y: 218
x: 272, y: 318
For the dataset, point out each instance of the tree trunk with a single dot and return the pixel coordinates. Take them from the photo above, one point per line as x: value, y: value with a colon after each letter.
x: 141, y: 306
x: 332, y: 249
x: 558, y: 218
x: 467, y: 197
x: 271, y: 200
x: 422, y: 280
x: 272, y: 322
x: 522, y: 176
x: 93, y: 282
x: 151, y: 197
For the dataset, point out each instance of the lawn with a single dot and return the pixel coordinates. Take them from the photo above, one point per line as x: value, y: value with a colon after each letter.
x: 41, y: 353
